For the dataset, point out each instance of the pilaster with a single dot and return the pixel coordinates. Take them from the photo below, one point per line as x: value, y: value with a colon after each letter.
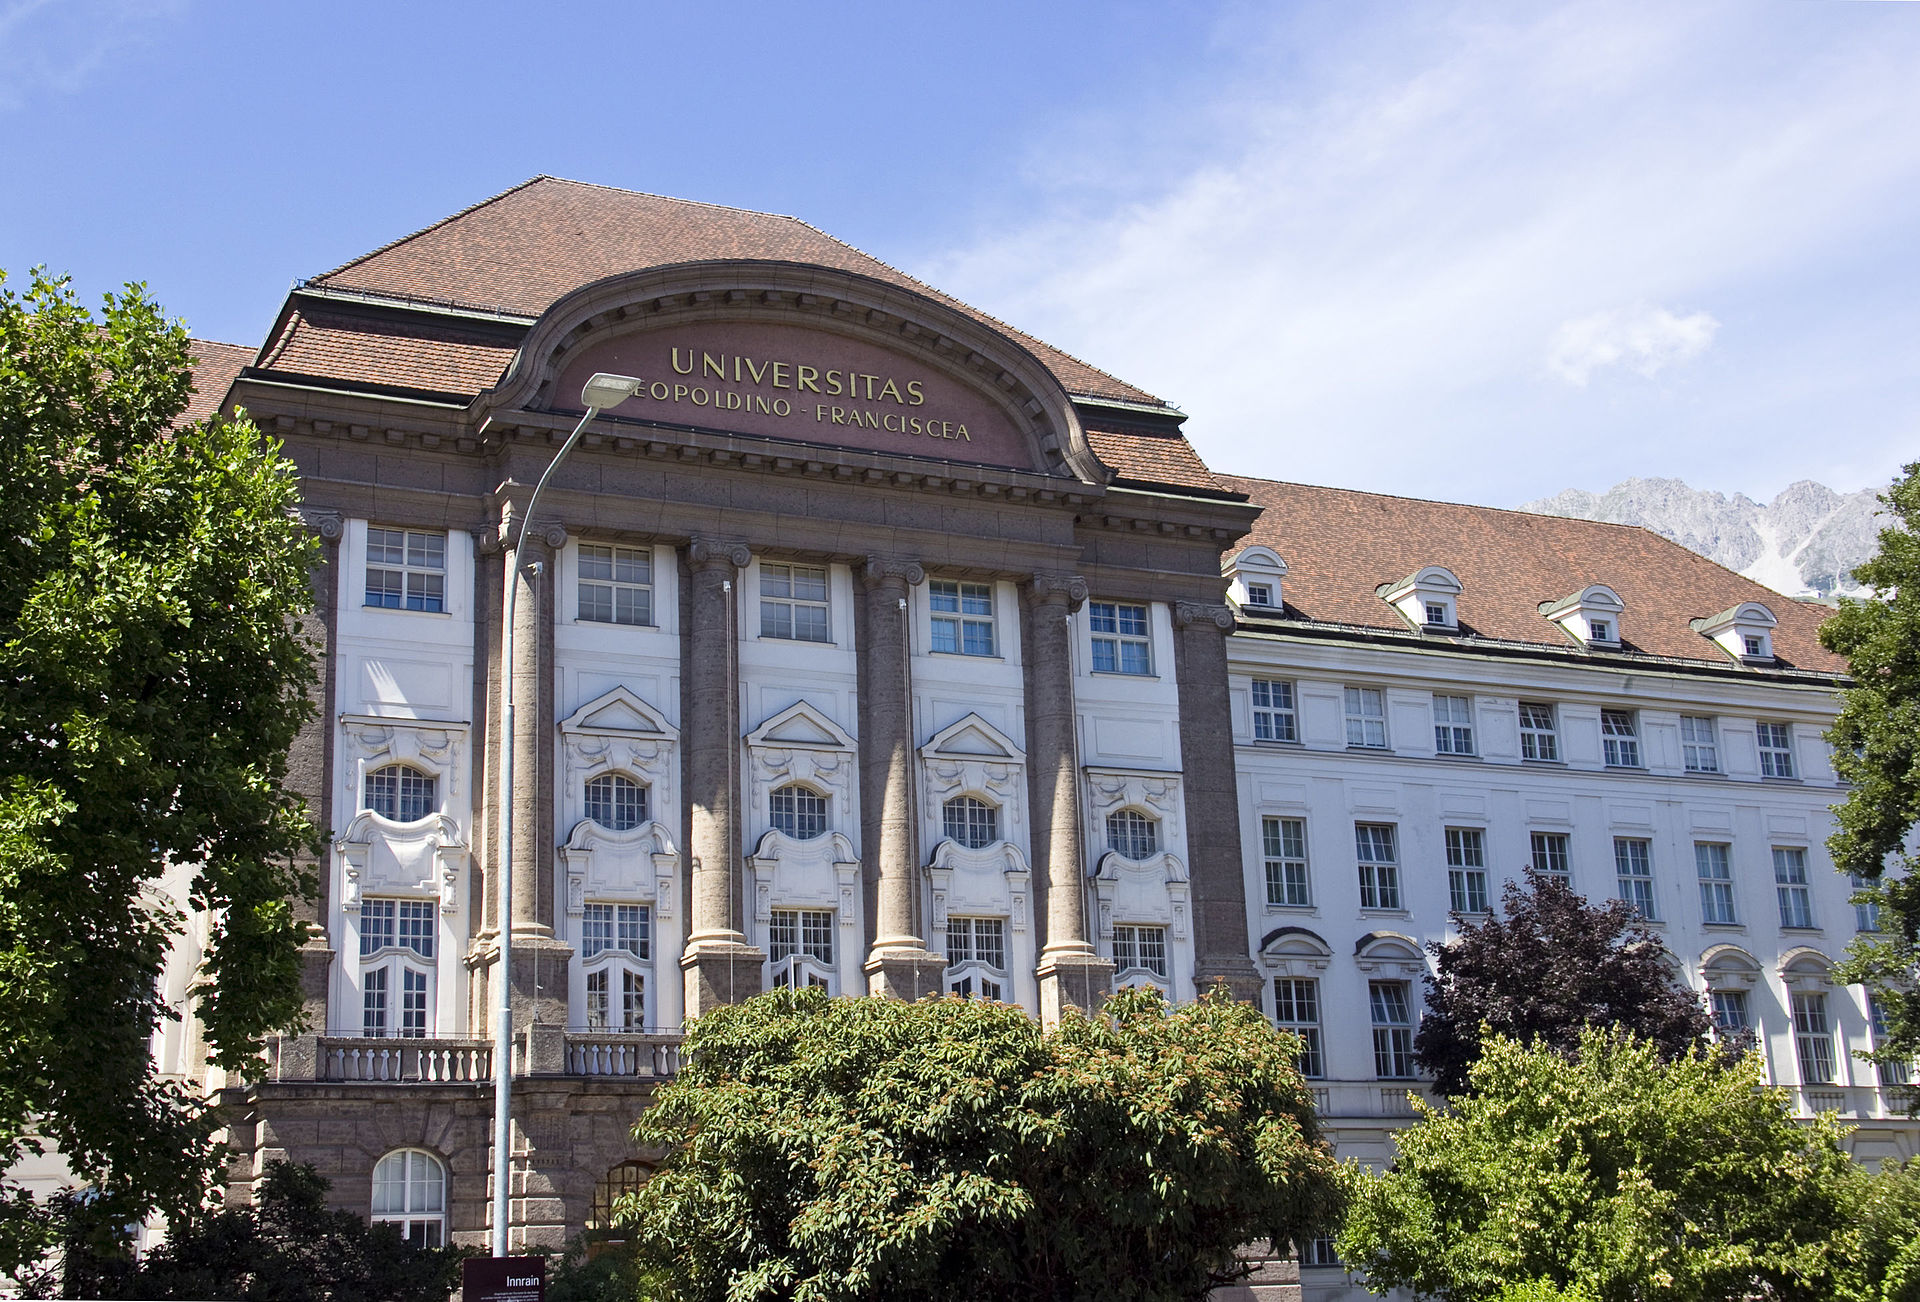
x: 311, y: 758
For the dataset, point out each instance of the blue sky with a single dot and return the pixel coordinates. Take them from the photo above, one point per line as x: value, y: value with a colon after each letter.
x: 1476, y: 251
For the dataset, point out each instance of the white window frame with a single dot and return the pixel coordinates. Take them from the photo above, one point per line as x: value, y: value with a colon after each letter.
x: 398, y: 964
x: 625, y: 584
x: 604, y: 794
x: 1866, y: 913
x: 1732, y: 1018
x: 1892, y: 1075
x: 970, y: 821
x: 1699, y: 743
x: 419, y: 1186
x: 1140, y: 947
x: 1775, y: 741
x: 962, y: 616
x: 1379, y: 861
x: 1467, y: 890
x: 1545, y: 848
x: 627, y: 929
x: 1123, y: 630
x: 782, y: 605
x: 977, y: 957
x: 419, y: 568
x: 800, y: 948
x: 1539, y: 744
x: 1366, y: 713
x: 1452, y: 725
x: 1620, y: 739
x: 1795, y: 892
x: 800, y: 824
x: 1283, y: 841
x: 405, y: 808
x: 1813, y: 1036
x: 1296, y: 1008
x: 631, y: 992
x: 1275, y: 710
x: 1130, y: 830
x: 1390, y: 1011
x: 1633, y: 874
x: 1261, y: 595
x: 1713, y: 865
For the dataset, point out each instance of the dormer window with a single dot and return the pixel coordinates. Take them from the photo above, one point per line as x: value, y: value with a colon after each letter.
x: 1254, y: 576
x: 1427, y: 599
x: 1744, y: 632
x: 1590, y: 617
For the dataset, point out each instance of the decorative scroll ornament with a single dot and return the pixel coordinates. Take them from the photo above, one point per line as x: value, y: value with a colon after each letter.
x: 1197, y: 612
x: 328, y: 524
x: 1055, y: 587
x: 883, y: 571
x: 706, y: 553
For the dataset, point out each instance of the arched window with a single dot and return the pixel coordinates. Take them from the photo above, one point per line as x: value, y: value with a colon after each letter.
x: 1133, y: 834
x: 973, y: 823
x: 799, y: 812
x: 410, y: 1192
x: 402, y: 793
x: 616, y: 1184
x: 616, y: 802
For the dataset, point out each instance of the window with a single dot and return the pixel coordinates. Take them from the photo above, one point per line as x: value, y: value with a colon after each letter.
x: 804, y: 932
x: 1119, y: 638
x: 1600, y: 630
x: 616, y: 585
x: 410, y: 1191
x: 1755, y: 646
x: 1812, y: 1038
x: 973, y: 823
x: 798, y: 811
x: 1317, y: 1251
x: 1538, y: 738
x: 1633, y: 865
x: 1140, y: 947
x: 605, y: 927
x: 396, y: 924
x: 1296, y: 1008
x: 962, y: 617
x: 1619, y: 739
x: 1891, y: 1073
x: 1467, y: 869
x: 373, y: 1002
x: 1453, y: 725
x: 1392, y: 1030
x: 617, y: 803
x: 622, y: 1180
x: 1285, y: 843
x: 1273, y: 714
x: 1379, y: 867
x: 1711, y: 861
x: 376, y: 984
x: 981, y: 941
x: 1866, y: 913
x: 1550, y: 855
x: 406, y: 570
x: 793, y: 602
x: 1790, y: 882
x: 1259, y: 594
x: 633, y: 1001
x: 1776, y: 750
x: 402, y: 793
x: 1132, y: 834
x: 1731, y: 1024
x: 1698, y: 750
x: 1437, y: 614
x: 1366, y: 717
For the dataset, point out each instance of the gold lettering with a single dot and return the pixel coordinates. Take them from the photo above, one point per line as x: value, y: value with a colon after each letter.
x: 820, y: 414
x: 759, y: 373
x: 699, y: 395
x: 807, y: 377
x: 839, y: 417
x: 889, y: 389
x: 915, y: 422
x: 717, y: 365
x: 873, y: 421
x: 779, y: 376
x: 679, y: 393
x: 679, y: 369
x: 963, y: 434
x: 869, y: 379
x: 833, y: 383
x: 761, y: 403
x: 888, y: 421
x: 913, y: 392
x: 781, y: 407
x: 733, y: 402
x: 658, y: 391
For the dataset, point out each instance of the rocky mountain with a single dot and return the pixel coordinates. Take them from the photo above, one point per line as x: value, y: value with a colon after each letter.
x: 1803, y: 543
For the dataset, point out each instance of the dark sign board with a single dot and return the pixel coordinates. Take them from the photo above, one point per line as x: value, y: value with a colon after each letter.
x: 503, y: 1279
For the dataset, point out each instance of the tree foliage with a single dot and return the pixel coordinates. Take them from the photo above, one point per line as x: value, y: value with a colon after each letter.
x: 830, y: 1149
x: 1615, y: 1174
x: 152, y: 678
x: 1876, y: 751
x: 1548, y: 970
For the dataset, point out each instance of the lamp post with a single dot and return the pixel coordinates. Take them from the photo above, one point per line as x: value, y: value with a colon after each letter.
x: 600, y: 392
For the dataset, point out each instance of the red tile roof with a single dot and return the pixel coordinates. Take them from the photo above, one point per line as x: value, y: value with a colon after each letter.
x: 1340, y: 545
x: 522, y: 250
x: 215, y: 368
x: 1152, y: 458
x: 436, y: 357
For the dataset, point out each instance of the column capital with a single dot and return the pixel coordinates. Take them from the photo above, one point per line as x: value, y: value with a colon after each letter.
x: 328, y: 524
x: 486, y: 541
x: 709, y: 553
x: 885, y: 571
x: 1051, y: 588
x: 1202, y: 612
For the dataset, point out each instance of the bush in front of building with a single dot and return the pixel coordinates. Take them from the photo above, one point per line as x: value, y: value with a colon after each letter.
x: 1615, y: 1171
x: 949, y: 1149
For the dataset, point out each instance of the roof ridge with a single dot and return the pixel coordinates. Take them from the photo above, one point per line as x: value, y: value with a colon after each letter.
x: 433, y: 226
x: 221, y: 343
x: 670, y: 198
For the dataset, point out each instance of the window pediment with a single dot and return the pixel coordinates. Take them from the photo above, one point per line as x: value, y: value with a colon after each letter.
x: 972, y: 738
x: 1590, y: 616
x: 1427, y: 599
x: 619, y: 713
x: 802, y: 726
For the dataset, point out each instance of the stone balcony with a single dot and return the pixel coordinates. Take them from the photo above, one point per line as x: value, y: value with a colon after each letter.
x: 433, y: 1060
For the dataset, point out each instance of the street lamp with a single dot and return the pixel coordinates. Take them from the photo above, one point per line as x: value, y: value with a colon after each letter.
x: 601, y: 391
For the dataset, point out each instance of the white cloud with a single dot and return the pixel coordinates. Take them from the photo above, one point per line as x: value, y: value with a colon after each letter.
x: 1643, y: 338
x: 60, y: 45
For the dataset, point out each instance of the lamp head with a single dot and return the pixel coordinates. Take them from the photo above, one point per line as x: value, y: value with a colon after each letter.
x: 605, y: 390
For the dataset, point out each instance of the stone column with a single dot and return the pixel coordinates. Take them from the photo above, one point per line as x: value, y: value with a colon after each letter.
x: 898, y: 963
x: 720, y: 967
x: 310, y: 765
x: 1211, y: 791
x: 1071, y: 973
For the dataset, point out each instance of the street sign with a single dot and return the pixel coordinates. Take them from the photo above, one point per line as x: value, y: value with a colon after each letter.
x: 503, y: 1279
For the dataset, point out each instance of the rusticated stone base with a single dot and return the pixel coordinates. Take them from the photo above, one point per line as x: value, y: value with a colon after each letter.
x: 1235, y: 971
x: 906, y: 974
x: 719, y: 973
x: 1274, y: 1279
x: 1069, y: 980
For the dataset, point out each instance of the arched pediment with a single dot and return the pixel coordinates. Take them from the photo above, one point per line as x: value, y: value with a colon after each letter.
x: 801, y: 726
x: 972, y: 738
x: 368, y: 828
x: 1806, y: 968
x: 1164, y: 864
x: 912, y: 376
x: 1389, y: 952
x: 619, y: 712
x: 650, y: 837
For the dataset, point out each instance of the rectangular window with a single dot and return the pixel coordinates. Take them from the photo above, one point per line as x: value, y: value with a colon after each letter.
x: 616, y: 926
x: 1731, y: 1024
x: 1620, y: 739
x: 1296, y: 1008
x: 1140, y: 947
x: 1699, y: 750
x: 962, y: 617
x: 1713, y: 863
x: 1366, y: 717
x: 1467, y: 869
x: 1119, y: 638
x: 1551, y: 856
x: 1866, y: 913
x: 977, y: 940
x: 1790, y: 882
x: 1776, y: 750
x: 1317, y: 1251
x: 633, y: 1001
x: 1437, y: 615
x: 397, y: 924
x: 599, y: 1001
x: 406, y: 570
x: 793, y: 602
x: 1285, y: 843
x: 1453, y: 725
x: 1273, y: 714
x: 801, y: 931
x: 1633, y: 865
x: 1379, y: 866
x: 1539, y: 739
x: 1891, y: 1073
x: 1392, y: 1030
x: 1259, y: 594
x: 413, y: 1002
x: 1600, y: 630
x: 616, y: 585
x: 1812, y: 1038
x: 373, y: 1002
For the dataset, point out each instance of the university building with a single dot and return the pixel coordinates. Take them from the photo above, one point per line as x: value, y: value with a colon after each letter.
x: 875, y: 645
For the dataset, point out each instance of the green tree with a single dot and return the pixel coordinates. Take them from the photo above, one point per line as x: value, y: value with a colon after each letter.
x: 1548, y: 970
x: 1885, y: 1255
x: 828, y: 1149
x: 1876, y: 751
x: 1614, y: 1172
x: 152, y: 677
